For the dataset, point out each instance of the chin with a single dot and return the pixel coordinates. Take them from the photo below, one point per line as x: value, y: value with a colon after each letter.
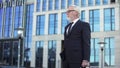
x: 69, y: 19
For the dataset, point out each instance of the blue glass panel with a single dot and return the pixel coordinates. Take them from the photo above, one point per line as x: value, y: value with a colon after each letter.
x: 18, y: 18
x: 94, y: 58
x: 97, y: 2
x: 1, y: 11
x: 63, y: 2
x: 6, y: 0
x: 53, y: 22
x: 28, y: 28
x: 8, y: 23
x: 76, y: 2
x: 38, y: 5
x: 50, y: 5
x: 40, y: 25
x: 94, y: 20
x: 83, y: 15
x: 44, y: 5
x: 83, y: 3
x: 109, y: 19
x: 51, y: 54
x: 39, y: 53
x: 90, y: 2
x: 109, y: 51
x: 69, y: 2
x: 0, y: 1
x: 64, y: 22
x: 56, y: 4
x: 105, y: 1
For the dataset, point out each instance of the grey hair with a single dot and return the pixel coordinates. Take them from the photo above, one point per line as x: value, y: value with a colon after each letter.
x: 76, y: 8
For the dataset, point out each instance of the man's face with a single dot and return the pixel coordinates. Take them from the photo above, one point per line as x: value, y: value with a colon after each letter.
x: 71, y: 13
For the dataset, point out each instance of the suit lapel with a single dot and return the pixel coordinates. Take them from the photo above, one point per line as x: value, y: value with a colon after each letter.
x: 74, y: 27
x: 66, y: 30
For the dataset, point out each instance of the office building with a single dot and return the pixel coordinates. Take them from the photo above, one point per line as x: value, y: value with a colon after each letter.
x: 44, y: 22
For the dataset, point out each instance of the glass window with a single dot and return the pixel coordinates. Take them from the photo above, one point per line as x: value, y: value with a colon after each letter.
x: 112, y: 1
x: 94, y: 19
x: 63, y: 2
x: 39, y: 53
x: 0, y: 1
x: 109, y: 51
x: 64, y: 22
x: 69, y: 2
x: 1, y: 11
x: 56, y: 4
x: 90, y: 2
x: 44, y: 5
x: 97, y: 2
x: 105, y: 2
x: 18, y: 18
x: 28, y: 29
x: 53, y: 24
x: 6, y: 0
x: 50, y: 4
x: 51, y: 54
x: 76, y: 2
x: 38, y: 5
x: 109, y: 19
x: 40, y: 24
x: 94, y: 58
x: 83, y: 3
x: 8, y: 22
x: 83, y: 15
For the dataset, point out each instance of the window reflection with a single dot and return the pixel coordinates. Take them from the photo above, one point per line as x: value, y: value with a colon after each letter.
x: 44, y: 3
x: 83, y: 15
x: 56, y: 4
x: 28, y: 31
x: 105, y: 2
x: 94, y: 58
x: 94, y: 19
x: 1, y: 11
x: 53, y: 24
x: 69, y: 2
x: 64, y: 22
x: 109, y: 19
x: 38, y: 5
x: 76, y: 2
x: 39, y: 53
x: 63, y: 3
x: 50, y: 4
x: 8, y: 22
x: 51, y: 54
x: 90, y: 2
x: 18, y: 18
x: 97, y: 2
x: 83, y: 3
x: 109, y: 51
x: 0, y: 1
x: 40, y: 25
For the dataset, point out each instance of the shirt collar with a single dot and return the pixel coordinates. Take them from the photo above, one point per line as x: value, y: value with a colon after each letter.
x: 75, y: 21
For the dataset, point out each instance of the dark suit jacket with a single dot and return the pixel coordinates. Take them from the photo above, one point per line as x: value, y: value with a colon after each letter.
x: 77, y: 43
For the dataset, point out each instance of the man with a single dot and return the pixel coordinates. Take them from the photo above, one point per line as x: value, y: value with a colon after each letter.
x: 76, y: 51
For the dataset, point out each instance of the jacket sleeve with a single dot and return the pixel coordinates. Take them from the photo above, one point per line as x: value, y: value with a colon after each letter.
x: 86, y: 36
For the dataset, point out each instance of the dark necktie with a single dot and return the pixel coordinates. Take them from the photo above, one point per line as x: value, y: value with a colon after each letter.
x: 69, y: 28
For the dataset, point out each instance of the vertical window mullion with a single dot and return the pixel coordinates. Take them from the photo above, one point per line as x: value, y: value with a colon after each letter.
x: 94, y: 51
x: 110, y: 51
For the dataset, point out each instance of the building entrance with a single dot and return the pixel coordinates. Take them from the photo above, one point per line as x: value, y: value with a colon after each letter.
x: 9, y: 51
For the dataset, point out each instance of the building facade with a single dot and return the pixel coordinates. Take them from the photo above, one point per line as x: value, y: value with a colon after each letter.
x: 44, y: 22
